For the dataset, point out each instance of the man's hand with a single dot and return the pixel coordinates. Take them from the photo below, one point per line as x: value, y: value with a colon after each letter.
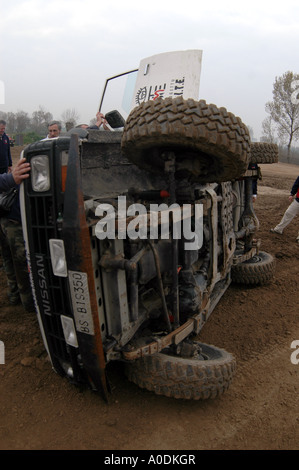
x: 101, y: 120
x: 20, y: 171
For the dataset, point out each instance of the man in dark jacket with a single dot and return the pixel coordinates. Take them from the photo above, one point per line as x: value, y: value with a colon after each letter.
x: 5, y: 156
x: 291, y: 211
x: 12, y: 242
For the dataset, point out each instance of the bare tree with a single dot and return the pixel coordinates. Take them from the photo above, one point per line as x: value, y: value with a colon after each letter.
x: 70, y: 116
x: 22, y: 121
x: 268, y: 131
x: 250, y: 129
x: 284, y: 109
x: 40, y: 120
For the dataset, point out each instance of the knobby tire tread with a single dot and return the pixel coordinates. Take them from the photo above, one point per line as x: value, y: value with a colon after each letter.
x: 210, y: 143
x: 254, y: 273
x: 183, y: 378
x: 262, y: 152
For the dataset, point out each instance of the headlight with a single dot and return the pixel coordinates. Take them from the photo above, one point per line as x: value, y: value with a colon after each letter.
x: 40, y: 173
x: 69, y: 331
x: 58, y: 257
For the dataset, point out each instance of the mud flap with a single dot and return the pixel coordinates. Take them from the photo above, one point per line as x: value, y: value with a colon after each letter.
x: 75, y: 233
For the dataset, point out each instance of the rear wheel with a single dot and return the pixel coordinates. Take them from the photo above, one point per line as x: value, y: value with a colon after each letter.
x: 209, y: 143
x: 207, y: 374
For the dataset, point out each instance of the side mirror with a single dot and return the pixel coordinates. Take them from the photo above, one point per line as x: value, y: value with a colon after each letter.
x: 115, y: 119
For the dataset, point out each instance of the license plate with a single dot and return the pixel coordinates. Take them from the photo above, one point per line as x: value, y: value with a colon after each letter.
x: 81, y: 302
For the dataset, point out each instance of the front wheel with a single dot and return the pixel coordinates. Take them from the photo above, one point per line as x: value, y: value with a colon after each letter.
x: 207, y: 374
x: 258, y: 270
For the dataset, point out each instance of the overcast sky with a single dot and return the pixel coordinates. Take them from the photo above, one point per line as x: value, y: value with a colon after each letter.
x: 58, y: 53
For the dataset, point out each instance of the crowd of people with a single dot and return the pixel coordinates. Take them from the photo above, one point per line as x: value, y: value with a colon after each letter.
x: 11, y: 235
x: 54, y: 127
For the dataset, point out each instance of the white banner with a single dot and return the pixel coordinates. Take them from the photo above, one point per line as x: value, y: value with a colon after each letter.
x: 170, y: 74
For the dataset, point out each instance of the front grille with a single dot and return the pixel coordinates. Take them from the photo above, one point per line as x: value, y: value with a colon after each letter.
x: 42, y: 213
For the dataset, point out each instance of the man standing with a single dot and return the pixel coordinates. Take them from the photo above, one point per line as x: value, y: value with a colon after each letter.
x: 12, y: 242
x: 291, y: 211
x: 5, y: 156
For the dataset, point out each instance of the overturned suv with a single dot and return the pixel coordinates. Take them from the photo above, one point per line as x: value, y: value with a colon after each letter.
x: 110, y: 285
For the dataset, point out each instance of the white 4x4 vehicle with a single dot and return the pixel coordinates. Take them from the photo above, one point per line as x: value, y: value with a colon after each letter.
x: 110, y: 282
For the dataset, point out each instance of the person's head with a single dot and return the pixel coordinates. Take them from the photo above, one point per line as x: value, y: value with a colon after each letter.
x: 2, y: 127
x: 54, y: 129
x: 82, y: 126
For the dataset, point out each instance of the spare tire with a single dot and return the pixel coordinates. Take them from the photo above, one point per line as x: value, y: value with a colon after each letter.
x: 209, y: 143
x: 262, y: 152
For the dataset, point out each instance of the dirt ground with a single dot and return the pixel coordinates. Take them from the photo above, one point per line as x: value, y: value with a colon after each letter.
x: 41, y: 410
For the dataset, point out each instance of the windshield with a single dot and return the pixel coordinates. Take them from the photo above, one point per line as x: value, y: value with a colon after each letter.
x: 118, y: 93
